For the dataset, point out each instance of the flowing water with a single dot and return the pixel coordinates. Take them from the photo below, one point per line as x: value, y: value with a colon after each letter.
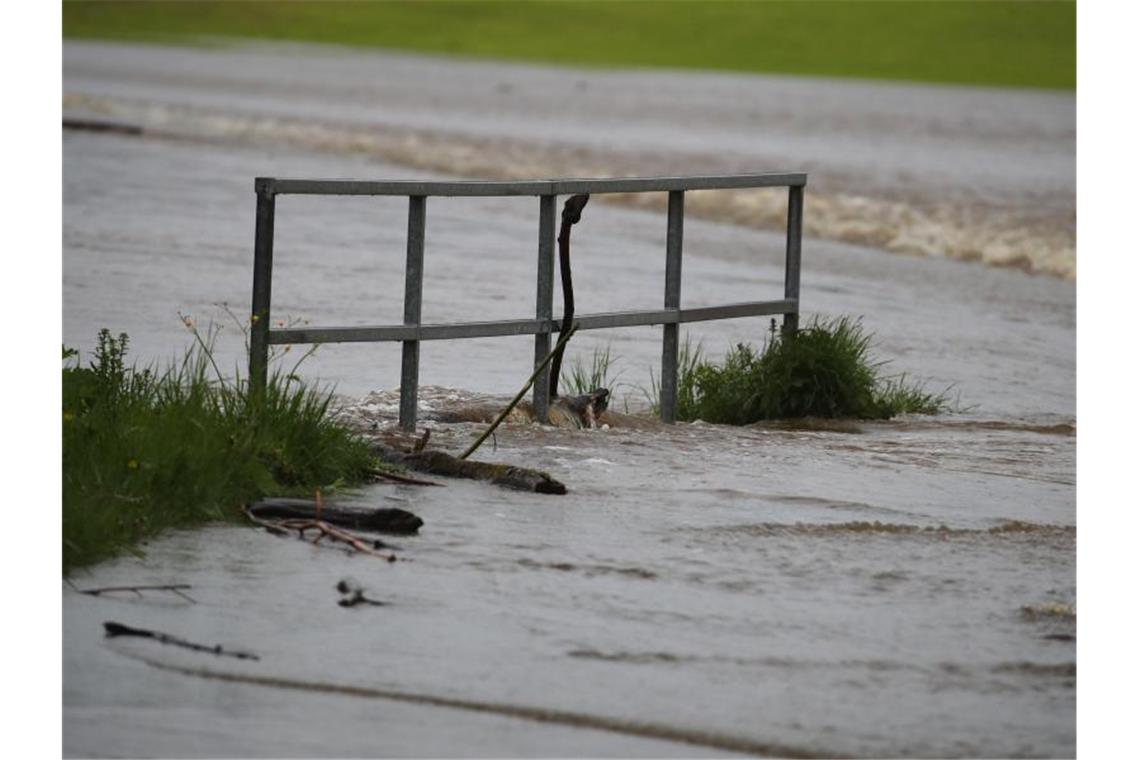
x: 904, y: 588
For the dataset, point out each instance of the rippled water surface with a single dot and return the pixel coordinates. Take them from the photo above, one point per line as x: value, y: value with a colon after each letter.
x: 903, y: 588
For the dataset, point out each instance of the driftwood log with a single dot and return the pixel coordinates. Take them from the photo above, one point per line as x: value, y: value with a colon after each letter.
x: 381, y: 520
x: 441, y: 463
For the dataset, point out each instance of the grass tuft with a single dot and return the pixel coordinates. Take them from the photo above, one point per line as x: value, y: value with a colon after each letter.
x: 823, y: 370
x: 689, y: 357
x: 578, y: 378
x: 145, y: 450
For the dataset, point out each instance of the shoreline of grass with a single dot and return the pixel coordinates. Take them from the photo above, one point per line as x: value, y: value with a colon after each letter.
x: 145, y: 451
x: 993, y: 44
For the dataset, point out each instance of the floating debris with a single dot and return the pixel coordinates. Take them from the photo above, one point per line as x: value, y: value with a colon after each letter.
x: 118, y: 629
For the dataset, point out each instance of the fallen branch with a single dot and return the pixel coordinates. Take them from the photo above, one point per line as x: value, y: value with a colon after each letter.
x: 323, y: 530
x: 380, y: 520
x: 571, y: 215
x: 175, y: 588
x: 118, y: 629
x: 562, y: 340
x: 404, y: 479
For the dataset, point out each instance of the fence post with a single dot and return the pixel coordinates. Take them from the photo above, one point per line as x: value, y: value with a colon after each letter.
x: 544, y: 309
x: 792, y: 255
x: 413, y: 300
x: 262, y: 285
x: 670, y: 339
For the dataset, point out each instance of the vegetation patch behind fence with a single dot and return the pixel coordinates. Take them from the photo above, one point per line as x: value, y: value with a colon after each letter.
x: 823, y: 370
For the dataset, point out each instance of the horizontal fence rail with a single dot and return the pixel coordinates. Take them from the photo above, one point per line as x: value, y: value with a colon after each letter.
x: 543, y: 325
x: 484, y: 188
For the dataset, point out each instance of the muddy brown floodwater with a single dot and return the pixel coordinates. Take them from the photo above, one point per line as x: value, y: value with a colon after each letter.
x: 902, y: 588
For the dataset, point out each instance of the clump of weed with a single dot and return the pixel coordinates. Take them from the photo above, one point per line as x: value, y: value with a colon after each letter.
x: 895, y: 396
x: 823, y: 370
x: 145, y: 450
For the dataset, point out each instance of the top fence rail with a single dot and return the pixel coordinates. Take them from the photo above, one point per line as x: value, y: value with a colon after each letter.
x: 543, y: 325
x: 283, y: 186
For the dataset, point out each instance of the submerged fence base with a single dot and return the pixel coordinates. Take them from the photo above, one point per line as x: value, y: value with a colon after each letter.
x: 543, y: 325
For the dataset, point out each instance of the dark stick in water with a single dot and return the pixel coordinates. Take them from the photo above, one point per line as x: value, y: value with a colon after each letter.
x: 118, y: 629
x: 571, y: 214
x: 174, y: 588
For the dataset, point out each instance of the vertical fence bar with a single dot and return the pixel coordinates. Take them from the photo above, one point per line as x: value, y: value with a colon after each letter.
x: 262, y: 285
x: 792, y: 255
x: 544, y: 309
x: 413, y: 300
x: 670, y: 339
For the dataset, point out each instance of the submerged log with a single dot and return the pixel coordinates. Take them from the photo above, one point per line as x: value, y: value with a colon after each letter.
x: 380, y: 520
x: 441, y: 463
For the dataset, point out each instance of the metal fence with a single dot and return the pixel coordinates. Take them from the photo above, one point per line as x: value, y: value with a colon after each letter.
x: 543, y: 325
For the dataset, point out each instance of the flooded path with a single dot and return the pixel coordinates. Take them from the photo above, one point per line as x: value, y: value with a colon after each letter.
x: 888, y: 589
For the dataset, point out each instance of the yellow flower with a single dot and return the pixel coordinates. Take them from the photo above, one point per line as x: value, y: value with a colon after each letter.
x: 132, y: 464
x: 68, y: 416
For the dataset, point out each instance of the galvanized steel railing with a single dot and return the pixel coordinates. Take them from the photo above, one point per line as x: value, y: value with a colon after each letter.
x: 412, y: 331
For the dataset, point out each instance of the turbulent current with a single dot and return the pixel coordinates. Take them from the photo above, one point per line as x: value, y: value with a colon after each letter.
x: 902, y: 588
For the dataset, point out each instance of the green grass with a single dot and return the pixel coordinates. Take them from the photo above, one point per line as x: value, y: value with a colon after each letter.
x: 823, y: 370
x: 689, y: 357
x: 144, y: 451
x: 1020, y: 44
x: 579, y: 378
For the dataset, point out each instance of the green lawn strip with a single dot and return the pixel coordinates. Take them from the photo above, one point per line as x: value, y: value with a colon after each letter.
x: 144, y: 451
x: 1018, y: 44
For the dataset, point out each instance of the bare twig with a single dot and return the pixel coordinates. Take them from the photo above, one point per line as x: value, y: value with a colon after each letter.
x: 324, y: 530
x: 174, y: 588
x: 382, y: 475
x: 518, y: 397
x: 206, y: 349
